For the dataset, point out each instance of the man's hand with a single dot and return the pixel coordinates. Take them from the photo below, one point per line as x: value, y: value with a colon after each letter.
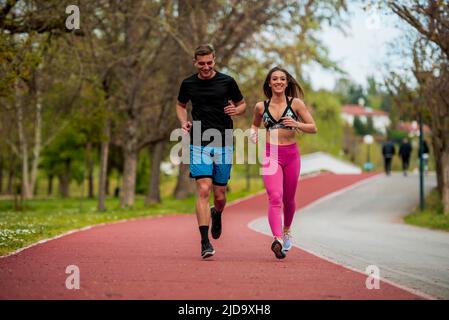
x: 231, y: 109
x: 186, y: 126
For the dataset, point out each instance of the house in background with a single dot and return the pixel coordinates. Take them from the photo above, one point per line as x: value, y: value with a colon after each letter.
x: 381, y: 119
x: 412, y: 128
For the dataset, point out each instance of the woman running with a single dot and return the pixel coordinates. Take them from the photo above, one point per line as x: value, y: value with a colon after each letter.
x: 282, y: 114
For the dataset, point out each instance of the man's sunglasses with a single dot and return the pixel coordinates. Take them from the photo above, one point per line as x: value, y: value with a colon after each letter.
x: 203, y: 63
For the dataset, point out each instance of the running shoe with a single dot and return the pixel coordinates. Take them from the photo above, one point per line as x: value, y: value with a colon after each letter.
x: 277, y: 248
x: 287, y: 240
x: 215, y: 229
x: 207, y: 250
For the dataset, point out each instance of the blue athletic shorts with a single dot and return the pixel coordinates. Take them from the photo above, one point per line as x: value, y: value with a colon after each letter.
x: 211, y: 162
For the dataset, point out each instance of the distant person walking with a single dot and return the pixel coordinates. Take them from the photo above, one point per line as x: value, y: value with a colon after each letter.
x: 405, y: 150
x: 388, y: 151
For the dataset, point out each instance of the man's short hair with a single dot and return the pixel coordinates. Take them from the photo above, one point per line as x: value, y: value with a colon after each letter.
x: 204, y: 50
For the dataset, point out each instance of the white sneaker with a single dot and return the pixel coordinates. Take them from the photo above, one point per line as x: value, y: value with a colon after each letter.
x: 287, y: 240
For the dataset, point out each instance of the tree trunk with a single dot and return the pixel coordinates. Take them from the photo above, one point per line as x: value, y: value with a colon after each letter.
x: 130, y: 151
x: 64, y: 180
x: 108, y: 185
x: 436, y: 153
x: 103, y: 179
x: 26, y: 192
x: 248, y: 176
x: 132, y: 76
x: 129, y: 178
x: 11, y: 178
x: 130, y: 164
x: 445, y: 180
x: 155, y: 153
x: 50, y: 185
x: 90, y: 170
x: 440, y: 136
x: 185, y: 185
x: 1, y: 174
x: 440, y: 143
x: 37, y: 138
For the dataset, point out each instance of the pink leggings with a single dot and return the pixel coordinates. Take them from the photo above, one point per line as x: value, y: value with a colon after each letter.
x: 280, y: 175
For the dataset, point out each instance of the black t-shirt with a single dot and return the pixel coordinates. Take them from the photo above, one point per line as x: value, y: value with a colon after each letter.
x: 209, y: 97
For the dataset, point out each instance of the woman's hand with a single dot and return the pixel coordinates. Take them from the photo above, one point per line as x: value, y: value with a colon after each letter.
x: 289, y: 122
x: 253, y: 135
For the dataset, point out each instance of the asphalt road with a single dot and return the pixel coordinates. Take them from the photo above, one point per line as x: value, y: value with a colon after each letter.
x: 363, y: 226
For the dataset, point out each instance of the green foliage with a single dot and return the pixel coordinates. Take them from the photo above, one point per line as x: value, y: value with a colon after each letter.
x: 432, y: 216
x: 362, y: 128
x: 373, y: 95
x: 326, y: 113
x: 67, y: 147
x: 359, y: 126
x: 143, y: 172
x: 19, y: 57
x: 396, y: 136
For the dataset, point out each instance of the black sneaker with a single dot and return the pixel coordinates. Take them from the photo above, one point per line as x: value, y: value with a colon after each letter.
x: 215, y: 229
x: 207, y: 250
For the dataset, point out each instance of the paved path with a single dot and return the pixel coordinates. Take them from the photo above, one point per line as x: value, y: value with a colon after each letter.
x: 363, y: 226
x: 159, y: 258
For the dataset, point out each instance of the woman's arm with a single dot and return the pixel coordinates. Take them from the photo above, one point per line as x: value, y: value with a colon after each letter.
x: 307, y: 125
x: 257, y: 120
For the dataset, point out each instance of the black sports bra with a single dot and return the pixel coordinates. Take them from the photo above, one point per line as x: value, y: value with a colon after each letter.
x: 270, y: 123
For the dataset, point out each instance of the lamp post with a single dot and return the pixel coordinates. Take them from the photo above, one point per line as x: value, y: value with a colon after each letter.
x: 421, y: 164
x: 368, y: 140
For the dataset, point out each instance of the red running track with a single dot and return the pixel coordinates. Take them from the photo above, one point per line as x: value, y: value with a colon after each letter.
x: 159, y: 258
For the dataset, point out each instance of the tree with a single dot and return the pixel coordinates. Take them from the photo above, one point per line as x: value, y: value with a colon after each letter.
x: 26, y: 28
x: 430, y: 55
x: 26, y: 16
x: 359, y: 126
x: 64, y: 158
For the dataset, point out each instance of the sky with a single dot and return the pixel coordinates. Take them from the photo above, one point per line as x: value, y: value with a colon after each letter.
x: 361, y: 52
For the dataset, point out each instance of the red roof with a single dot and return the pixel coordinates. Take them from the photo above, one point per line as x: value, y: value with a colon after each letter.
x: 409, y: 127
x: 357, y: 110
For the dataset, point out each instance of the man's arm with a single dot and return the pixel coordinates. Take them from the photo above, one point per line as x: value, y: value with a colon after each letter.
x: 235, y: 109
x: 241, y: 107
x: 181, y: 113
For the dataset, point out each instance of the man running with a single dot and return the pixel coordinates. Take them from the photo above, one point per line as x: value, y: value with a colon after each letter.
x: 215, y: 98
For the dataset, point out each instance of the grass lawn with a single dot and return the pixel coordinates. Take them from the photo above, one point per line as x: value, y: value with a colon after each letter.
x: 47, y: 217
x: 432, y: 216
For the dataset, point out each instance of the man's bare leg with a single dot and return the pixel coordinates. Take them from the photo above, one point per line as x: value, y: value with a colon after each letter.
x: 204, y: 187
x: 219, y: 204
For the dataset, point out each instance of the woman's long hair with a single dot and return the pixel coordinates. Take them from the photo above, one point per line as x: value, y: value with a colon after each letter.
x: 293, y: 89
